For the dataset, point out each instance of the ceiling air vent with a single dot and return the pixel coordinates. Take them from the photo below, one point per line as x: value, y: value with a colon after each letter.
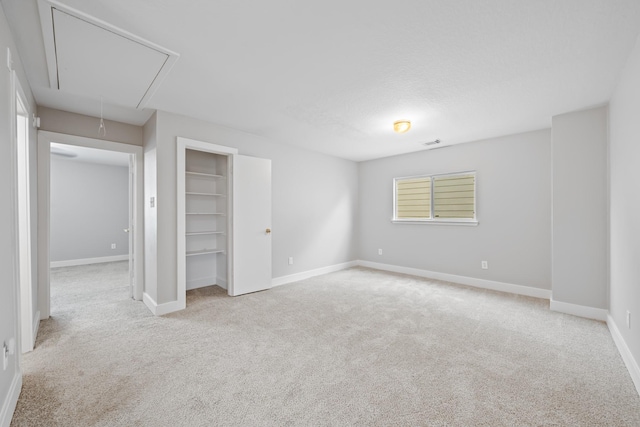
x: 436, y: 142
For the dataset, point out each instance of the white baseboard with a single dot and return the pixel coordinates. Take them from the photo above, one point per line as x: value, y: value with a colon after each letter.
x: 85, y: 261
x: 36, y: 327
x: 222, y: 283
x: 200, y: 283
x: 161, y: 309
x: 627, y: 356
x: 283, y: 280
x: 463, y: 280
x: 579, y: 310
x: 10, y: 402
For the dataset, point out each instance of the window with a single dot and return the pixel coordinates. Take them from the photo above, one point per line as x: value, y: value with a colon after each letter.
x: 436, y: 198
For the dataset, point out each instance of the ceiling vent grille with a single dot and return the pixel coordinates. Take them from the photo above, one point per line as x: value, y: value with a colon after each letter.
x: 436, y: 142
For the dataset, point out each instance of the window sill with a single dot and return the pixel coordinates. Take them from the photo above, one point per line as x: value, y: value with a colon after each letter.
x: 466, y: 223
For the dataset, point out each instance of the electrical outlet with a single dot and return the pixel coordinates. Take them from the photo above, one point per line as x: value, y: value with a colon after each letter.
x: 290, y: 260
x: 152, y: 202
x: 379, y: 251
x: 628, y: 319
x: 484, y: 265
x: 113, y: 246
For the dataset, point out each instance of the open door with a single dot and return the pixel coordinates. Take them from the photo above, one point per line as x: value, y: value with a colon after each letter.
x: 251, y: 270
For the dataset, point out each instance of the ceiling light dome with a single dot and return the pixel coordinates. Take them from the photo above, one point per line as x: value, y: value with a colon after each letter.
x: 401, y: 126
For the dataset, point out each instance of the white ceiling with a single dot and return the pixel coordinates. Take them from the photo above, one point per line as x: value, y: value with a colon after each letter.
x: 89, y: 155
x: 332, y: 76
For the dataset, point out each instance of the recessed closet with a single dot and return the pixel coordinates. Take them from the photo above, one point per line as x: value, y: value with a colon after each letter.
x: 224, y: 219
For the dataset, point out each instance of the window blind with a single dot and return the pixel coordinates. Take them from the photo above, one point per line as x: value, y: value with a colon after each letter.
x: 413, y: 198
x: 454, y: 196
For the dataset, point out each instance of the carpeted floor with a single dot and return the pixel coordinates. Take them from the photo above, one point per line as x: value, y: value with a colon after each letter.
x: 356, y: 347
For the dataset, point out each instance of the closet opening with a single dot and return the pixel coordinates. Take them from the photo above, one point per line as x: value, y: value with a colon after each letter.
x: 224, y: 219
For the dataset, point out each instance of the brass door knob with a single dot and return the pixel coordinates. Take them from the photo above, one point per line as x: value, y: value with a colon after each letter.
x: 268, y: 230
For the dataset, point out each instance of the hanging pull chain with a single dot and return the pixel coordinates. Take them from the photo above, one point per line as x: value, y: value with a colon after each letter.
x: 102, y: 129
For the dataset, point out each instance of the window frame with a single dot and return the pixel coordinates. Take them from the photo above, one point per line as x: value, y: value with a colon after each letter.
x: 432, y: 220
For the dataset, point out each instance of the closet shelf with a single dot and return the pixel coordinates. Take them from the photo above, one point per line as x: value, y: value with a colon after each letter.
x: 210, y: 175
x: 191, y: 193
x: 202, y: 233
x: 205, y: 252
x: 204, y: 213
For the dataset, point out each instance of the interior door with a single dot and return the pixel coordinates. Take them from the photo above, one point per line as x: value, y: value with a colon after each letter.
x: 251, y: 261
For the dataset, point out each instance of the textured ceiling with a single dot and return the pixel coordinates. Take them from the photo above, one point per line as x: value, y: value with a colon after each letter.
x: 332, y: 76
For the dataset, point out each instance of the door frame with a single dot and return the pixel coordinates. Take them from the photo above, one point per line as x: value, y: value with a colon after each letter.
x: 29, y: 317
x: 45, y: 138
x: 182, y: 145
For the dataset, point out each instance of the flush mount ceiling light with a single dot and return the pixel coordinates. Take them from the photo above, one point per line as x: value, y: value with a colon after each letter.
x: 401, y: 126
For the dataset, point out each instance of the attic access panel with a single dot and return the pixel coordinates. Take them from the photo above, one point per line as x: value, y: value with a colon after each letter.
x: 88, y: 57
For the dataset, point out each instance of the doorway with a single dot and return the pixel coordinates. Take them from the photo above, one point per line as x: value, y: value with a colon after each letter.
x: 53, y: 146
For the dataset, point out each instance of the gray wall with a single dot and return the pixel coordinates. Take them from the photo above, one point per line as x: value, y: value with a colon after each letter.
x: 89, y: 210
x: 8, y: 273
x: 53, y: 120
x: 513, y: 210
x: 625, y: 203
x: 579, y: 266
x: 314, y: 200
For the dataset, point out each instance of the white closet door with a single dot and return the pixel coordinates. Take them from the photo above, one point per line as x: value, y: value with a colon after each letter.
x: 251, y: 225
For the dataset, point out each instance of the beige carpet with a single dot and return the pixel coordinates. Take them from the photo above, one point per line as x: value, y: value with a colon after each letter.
x: 356, y: 347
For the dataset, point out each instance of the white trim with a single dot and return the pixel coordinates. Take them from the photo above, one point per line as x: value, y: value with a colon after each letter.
x: 10, y: 402
x: 161, y: 309
x: 202, y: 282
x: 85, y: 261
x: 222, y: 282
x: 579, y: 310
x: 283, y: 280
x: 464, y: 280
x: 469, y: 223
x: 36, y: 327
x: 627, y: 356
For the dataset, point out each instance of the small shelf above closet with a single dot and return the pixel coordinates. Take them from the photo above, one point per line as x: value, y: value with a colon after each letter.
x: 205, y: 252
x: 206, y: 194
x: 204, y: 233
x: 210, y: 175
x: 204, y: 213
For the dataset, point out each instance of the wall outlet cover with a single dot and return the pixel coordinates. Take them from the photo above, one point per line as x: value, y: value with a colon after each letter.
x: 484, y: 265
x: 379, y: 251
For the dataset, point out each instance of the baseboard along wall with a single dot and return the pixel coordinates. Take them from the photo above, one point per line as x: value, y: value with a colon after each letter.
x: 463, y: 280
x: 630, y: 362
x: 161, y: 309
x: 579, y: 310
x: 283, y: 280
x: 10, y: 402
x: 85, y: 261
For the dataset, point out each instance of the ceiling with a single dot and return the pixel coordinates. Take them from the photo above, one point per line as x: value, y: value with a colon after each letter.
x: 89, y: 155
x: 332, y: 76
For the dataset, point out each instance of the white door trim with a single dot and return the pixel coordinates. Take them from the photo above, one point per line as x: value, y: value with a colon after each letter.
x: 23, y: 218
x: 44, y: 166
